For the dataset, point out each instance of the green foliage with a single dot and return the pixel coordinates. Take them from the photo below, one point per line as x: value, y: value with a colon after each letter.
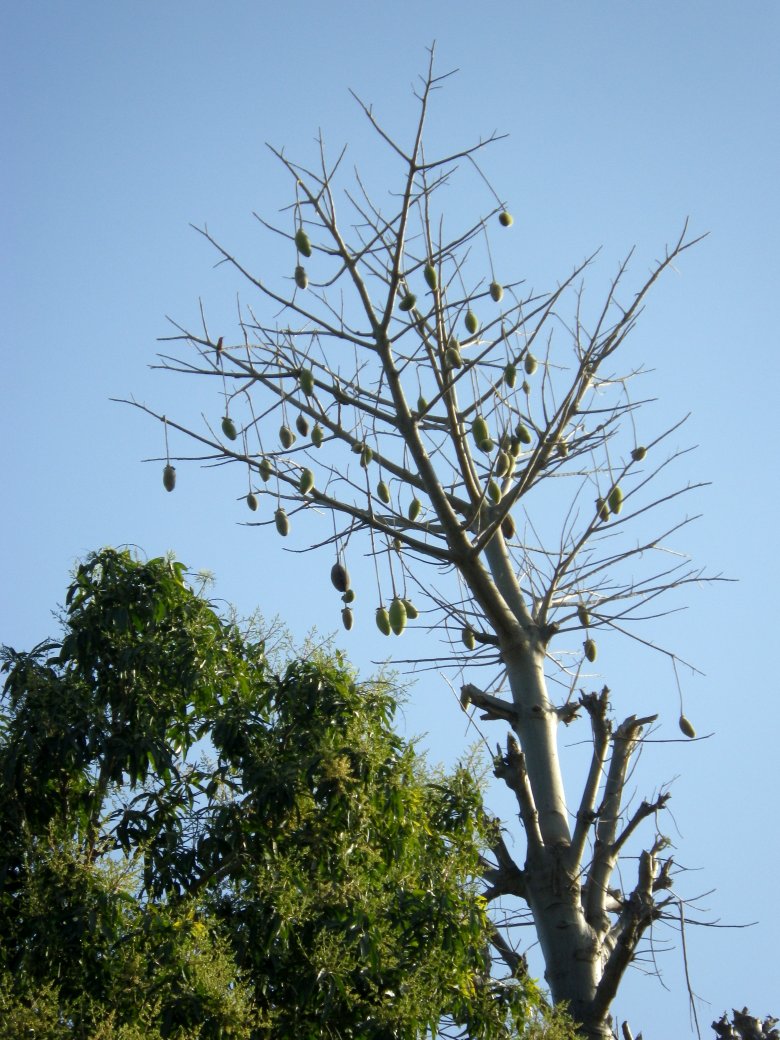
x: 313, y: 880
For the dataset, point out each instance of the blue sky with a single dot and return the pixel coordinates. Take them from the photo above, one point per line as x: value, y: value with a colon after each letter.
x: 124, y: 123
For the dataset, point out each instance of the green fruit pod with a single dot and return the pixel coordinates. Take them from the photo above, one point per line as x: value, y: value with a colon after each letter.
x: 422, y: 404
x: 306, y: 482
x: 282, y: 522
x: 264, y: 469
x: 339, y: 576
x: 508, y: 527
x: 638, y: 453
x: 301, y: 278
x: 415, y: 508
x: 615, y: 500
x: 411, y: 611
x: 251, y: 501
x: 505, y: 219
x: 317, y: 436
x: 468, y: 639
x: 523, y: 434
x: 229, y: 428
x: 383, y: 492
x: 480, y: 431
x: 302, y: 425
x: 349, y: 596
x: 407, y: 302
x: 583, y: 615
x: 397, y: 616
x: 503, y: 464
x: 510, y: 375
x: 602, y: 509
x: 452, y: 358
x: 530, y: 364
x: 515, y: 447
x: 302, y: 243
x: 306, y: 380
x: 169, y: 477
x: 347, y: 619
x: 590, y: 650
x: 494, y: 492
x: 471, y: 322
x: 383, y: 621
x: 686, y: 727
x: 431, y: 278
x: 496, y: 292
x: 286, y: 437
x: 366, y: 457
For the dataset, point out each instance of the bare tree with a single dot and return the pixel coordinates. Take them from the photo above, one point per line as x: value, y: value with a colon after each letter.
x: 471, y: 428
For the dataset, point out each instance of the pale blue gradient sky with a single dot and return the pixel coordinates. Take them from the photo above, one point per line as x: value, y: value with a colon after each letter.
x: 125, y: 122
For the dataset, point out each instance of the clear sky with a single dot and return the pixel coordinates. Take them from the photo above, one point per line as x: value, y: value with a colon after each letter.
x: 123, y: 123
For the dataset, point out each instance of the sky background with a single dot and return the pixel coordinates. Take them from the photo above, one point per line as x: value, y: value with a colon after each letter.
x: 124, y: 123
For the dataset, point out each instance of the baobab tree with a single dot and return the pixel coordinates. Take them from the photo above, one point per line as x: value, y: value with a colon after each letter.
x: 466, y: 427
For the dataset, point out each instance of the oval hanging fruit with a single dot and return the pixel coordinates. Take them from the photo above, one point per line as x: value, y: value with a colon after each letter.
x: 408, y: 301
x: 383, y: 492
x: 306, y: 379
x: 686, y: 727
x: 411, y: 611
x: 339, y: 576
x: 583, y: 615
x: 347, y: 618
x: 590, y: 650
x: 282, y: 522
x: 638, y: 453
x: 301, y: 278
x: 286, y: 437
x: 349, y: 596
x: 468, y: 639
x: 510, y: 375
x: 508, y: 527
x: 302, y: 243
x: 422, y: 404
x: 229, y: 428
x: 251, y: 501
x: 530, y: 364
x: 383, y: 621
x: 471, y: 322
x: 496, y: 292
x: 169, y: 477
x: 615, y: 500
x: 431, y: 278
x: 415, y: 506
x: 523, y: 434
x: 452, y: 358
x: 317, y: 436
x: 306, y: 483
x: 494, y: 492
x: 366, y: 456
x: 505, y: 219
x: 302, y: 425
x: 397, y: 616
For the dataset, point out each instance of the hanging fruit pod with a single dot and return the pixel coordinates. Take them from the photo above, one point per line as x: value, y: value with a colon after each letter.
x: 583, y: 615
x: 264, y: 469
x: 431, y: 278
x: 411, y: 611
x: 251, y: 501
x: 306, y: 482
x: 383, y: 621
x: 415, y: 507
x: 302, y: 243
x: 467, y: 637
x: 510, y: 375
x: 505, y: 219
x: 349, y: 596
x: 286, y: 437
x: 317, y: 436
x: 383, y: 492
x: 471, y: 322
x: 638, y: 453
x: 347, y: 618
x: 603, y: 509
x: 229, y: 428
x: 306, y: 380
x: 523, y: 434
x: 397, y: 616
x: 496, y: 292
x: 282, y: 522
x: 169, y: 477
x: 530, y: 364
x: 508, y: 527
x: 589, y: 647
x: 301, y: 278
x: 615, y: 500
x: 407, y: 302
x: 339, y: 576
x: 302, y: 425
x: 686, y: 727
